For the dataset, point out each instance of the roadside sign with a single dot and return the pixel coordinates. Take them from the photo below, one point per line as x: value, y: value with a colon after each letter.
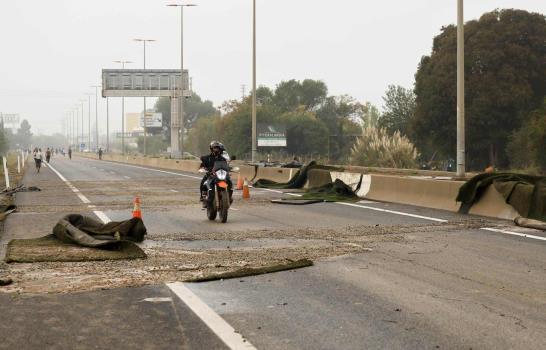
x: 271, y: 135
x: 153, y: 120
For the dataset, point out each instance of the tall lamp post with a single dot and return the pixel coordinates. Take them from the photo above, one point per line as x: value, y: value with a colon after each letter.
x: 461, y: 153
x: 123, y: 62
x: 96, y: 116
x: 254, y: 141
x: 82, y: 101
x: 89, y: 122
x: 174, y: 132
x: 144, y: 41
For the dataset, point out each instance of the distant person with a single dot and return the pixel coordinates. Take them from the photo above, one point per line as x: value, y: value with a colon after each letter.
x: 100, y: 153
x: 48, y: 155
x: 69, y: 153
x: 37, y: 155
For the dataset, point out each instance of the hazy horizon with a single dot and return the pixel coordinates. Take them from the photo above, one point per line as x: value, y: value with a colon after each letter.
x: 55, y: 50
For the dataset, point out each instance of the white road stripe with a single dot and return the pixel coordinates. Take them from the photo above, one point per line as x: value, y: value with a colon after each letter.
x: 514, y: 233
x: 125, y: 176
x: 214, y: 321
x: 105, y: 219
x: 174, y: 191
x: 157, y: 170
x: 392, y: 212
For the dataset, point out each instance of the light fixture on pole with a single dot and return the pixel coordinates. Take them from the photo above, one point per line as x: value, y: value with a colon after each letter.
x: 123, y: 62
x: 174, y: 131
x: 461, y: 153
x: 144, y: 41
x: 96, y: 116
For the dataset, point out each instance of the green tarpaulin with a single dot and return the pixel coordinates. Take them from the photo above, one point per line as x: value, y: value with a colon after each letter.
x: 526, y: 193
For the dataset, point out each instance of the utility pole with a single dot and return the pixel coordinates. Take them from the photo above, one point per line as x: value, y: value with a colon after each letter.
x: 107, y: 125
x: 461, y: 153
x: 96, y: 116
x: 122, y: 62
x: 174, y: 131
x: 254, y: 141
x: 89, y: 123
x: 144, y: 41
x: 243, y: 92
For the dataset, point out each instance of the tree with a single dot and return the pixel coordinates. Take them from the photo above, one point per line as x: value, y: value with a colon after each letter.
x: 292, y: 94
x: 505, y: 79
x: 378, y: 148
x: 194, y: 108
x: 527, y: 146
x: 23, y: 136
x: 398, y: 109
x: 370, y: 115
x: 305, y: 133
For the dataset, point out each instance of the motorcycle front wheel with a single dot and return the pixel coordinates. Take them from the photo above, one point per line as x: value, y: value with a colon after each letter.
x: 212, y: 209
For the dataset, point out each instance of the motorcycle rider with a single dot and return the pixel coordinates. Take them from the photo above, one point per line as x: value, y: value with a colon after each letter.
x: 217, y: 153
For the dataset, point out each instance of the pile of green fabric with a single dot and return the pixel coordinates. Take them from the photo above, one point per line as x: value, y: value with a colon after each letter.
x: 526, y: 193
x: 298, y: 180
x: 333, y: 192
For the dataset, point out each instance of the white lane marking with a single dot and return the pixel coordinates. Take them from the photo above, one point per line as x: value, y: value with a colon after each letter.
x: 234, y: 209
x: 392, y: 212
x: 158, y: 300
x: 125, y: 176
x: 105, y: 219
x: 214, y: 321
x: 112, y: 172
x: 366, y: 202
x: 277, y: 191
x: 157, y: 170
x: 174, y: 191
x: 513, y: 233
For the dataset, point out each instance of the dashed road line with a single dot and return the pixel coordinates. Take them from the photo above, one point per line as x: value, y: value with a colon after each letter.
x: 214, y: 321
x: 513, y: 233
x: 174, y: 191
x: 103, y: 217
x: 393, y: 212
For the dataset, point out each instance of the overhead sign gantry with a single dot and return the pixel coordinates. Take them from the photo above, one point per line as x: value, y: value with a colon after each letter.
x: 150, y: 83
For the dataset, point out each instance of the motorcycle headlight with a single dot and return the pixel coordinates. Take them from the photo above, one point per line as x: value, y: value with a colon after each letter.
x: 221, y: 174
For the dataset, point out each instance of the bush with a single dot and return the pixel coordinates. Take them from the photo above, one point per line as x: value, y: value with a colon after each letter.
x: 379, y: 149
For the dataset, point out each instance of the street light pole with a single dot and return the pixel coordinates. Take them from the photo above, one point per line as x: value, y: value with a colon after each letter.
x: 82, y: 137
x: 179, y: 132
x: 107, y: 125
x: 461, y: 153
x: 89, y: 122
x: 254, y: 141
x: 122, y: 62
x: 144, y: 116
x: 96, y: 116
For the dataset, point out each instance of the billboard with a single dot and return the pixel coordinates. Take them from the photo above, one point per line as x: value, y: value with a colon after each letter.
x: 143, y: 82
x: 271, y: 135
x: 153, y: 120
x: 11, y: 118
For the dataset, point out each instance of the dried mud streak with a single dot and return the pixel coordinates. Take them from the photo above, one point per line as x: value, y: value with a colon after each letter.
x: 167, y: 264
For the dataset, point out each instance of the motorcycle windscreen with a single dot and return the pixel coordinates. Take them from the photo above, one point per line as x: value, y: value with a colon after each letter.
x: 222, y: 184
x: 220, y: 164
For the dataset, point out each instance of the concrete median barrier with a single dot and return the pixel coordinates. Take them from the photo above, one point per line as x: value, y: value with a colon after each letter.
x: 280, y: 175
x: 492, y: 204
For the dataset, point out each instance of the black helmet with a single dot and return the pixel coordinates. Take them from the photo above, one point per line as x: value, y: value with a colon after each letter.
x: 216, y: 144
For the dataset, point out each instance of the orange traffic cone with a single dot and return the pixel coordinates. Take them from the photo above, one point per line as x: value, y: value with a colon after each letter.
x: 246, y: 191
x: 239, y: 182
x: 137, y: 213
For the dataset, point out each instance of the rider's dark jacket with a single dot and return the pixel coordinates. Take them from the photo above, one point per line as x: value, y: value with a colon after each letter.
x: 207, y: 161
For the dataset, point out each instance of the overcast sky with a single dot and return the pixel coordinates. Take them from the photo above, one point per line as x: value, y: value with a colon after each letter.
x: 52, y: 51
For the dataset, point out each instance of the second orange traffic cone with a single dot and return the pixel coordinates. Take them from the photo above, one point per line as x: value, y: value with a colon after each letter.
x: 137, y: 213
x: 239, y: 183
x: 246, y: 191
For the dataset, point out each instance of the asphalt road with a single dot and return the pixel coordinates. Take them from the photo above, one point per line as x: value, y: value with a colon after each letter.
x: 448, y: 284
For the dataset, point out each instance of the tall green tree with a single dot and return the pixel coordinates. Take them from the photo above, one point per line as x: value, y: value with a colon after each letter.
x: 194, y: 108
x: 505, y: 79
x: 289, y: 95
x: 305, y: 133
x: 398, y: 109
x: 23, y: 136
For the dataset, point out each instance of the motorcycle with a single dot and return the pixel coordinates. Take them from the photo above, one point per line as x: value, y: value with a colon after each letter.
x: 217, y: 196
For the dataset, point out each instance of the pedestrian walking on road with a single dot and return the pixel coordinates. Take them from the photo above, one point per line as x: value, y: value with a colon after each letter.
x: 37, y: 155
x: 69, y: 153
x: 100, y: 153
x: 48, y: 155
